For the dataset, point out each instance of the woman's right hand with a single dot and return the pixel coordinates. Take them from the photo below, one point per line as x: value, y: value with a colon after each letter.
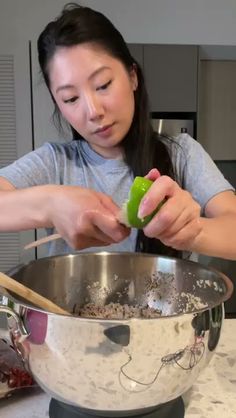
x: 85, y: 218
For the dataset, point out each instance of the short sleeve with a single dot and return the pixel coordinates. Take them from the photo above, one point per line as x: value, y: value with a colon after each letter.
x: 196, y: 170
x: 35, y: 168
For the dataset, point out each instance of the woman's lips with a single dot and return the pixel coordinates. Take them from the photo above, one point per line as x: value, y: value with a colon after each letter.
x: 104, y: 131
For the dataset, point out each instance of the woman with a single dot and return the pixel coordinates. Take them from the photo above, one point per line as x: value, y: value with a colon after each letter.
x: 78, y: 188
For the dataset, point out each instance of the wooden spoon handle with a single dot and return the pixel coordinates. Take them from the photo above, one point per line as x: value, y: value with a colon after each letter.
x: 30, y: 295
x: 42, y: 241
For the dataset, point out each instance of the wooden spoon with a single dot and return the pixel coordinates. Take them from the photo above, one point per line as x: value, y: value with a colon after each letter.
x: 28, y: 294
x: 41, y: 241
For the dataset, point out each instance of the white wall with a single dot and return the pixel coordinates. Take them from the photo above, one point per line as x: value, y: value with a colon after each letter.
x: 146, y: 21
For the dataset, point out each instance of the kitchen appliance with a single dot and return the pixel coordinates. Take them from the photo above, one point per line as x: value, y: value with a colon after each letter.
x: 172, y: 409
x: 117, y: 367
x: 173, y: 124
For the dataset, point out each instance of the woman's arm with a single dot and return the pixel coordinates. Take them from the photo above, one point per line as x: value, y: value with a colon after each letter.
x: 24, y: 208
x: 218, y: 229
x: 178, y: 223
x: 83, y: 217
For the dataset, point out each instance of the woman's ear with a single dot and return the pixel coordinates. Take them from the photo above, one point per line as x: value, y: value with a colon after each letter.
x: 134, y: 77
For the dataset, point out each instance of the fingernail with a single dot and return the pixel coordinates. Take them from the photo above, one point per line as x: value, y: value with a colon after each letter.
x: 142, y: 211
x: 118, y: 236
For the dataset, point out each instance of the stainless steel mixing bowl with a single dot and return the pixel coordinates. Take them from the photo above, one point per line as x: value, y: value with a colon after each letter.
x: 118, y: 365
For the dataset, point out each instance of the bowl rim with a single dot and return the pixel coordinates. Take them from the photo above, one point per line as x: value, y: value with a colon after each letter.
x: 16, y: 269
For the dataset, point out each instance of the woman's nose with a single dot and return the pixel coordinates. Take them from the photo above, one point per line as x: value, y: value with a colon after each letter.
x: 94, y: 107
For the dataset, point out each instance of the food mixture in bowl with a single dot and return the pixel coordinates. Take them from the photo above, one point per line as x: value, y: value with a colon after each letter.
x: 115, y: 311
x: 156, y: 295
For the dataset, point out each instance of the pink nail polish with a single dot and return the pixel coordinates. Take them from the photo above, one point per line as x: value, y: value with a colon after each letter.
x: 142, y: 209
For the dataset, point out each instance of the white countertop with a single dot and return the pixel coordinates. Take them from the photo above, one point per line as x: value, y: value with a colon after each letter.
x: 212, y: 396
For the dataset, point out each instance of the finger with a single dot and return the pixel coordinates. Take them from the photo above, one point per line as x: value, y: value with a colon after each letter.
x: 163, y: 187
x: 169, y: 220
x: 184, y: 239
x: 88, y: 233
x: 189, y: 210
x: 153, y: 174
x: 164, y: 222
x: 108, y: 224
x: 184, y: 219
x: 110, y: 239
x: 109, y: 204
x: 83, y: 242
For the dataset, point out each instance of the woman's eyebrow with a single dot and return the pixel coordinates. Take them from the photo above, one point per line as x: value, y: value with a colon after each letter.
x: 94, y: 73
x: 64, y: 87
x: 100, y: 69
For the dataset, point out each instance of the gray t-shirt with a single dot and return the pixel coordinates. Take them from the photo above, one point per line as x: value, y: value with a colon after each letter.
x: 76, y: 163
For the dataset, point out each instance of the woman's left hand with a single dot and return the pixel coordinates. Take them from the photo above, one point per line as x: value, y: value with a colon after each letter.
x: 177, y: 223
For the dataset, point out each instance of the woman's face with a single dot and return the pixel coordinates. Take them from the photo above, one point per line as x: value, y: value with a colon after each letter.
x: 95, y: 94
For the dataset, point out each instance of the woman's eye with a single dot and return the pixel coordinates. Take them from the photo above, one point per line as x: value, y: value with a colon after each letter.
x: 71, y: 99
x: 104, y: 86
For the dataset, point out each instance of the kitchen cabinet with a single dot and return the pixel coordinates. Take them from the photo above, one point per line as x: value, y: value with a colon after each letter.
x: 136, y: 51
x: 217, y: 107
x: 171, y: 73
